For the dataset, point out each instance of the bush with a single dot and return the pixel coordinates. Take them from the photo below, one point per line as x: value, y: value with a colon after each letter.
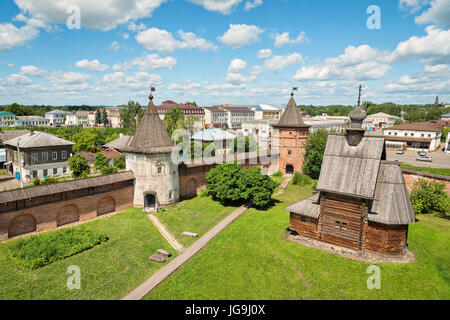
x: 429, y: 197
x: 119, y: 162
x: 108, y: 170
x: 40, y: 250
x: 78, y: 166
x: 36, y: 181
x: 278, y: 174
x: 302, y: 180
x: 100, y: 161
x: 49, y: 180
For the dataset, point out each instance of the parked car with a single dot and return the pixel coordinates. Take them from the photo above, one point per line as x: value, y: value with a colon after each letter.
x: 424, y: 158
x: 400, y: 151
x: 422, y: 153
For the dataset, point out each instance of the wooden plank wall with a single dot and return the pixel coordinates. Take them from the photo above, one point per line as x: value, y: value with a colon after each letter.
x: 307, y: 228
x: 385, y: 239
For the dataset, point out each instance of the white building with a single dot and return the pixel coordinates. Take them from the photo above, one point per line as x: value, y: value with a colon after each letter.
x: 79, y: 118
x: 416, y: 135
x: 237, y: 115
x: 379, y: 120
x: 267, y: 112
x: 215, y: 117
x: 31, y: 121
x: 56, y: 117
x: 329, y: 123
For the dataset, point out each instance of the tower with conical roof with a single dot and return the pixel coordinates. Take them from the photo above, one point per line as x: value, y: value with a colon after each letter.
x: 291, y: 133
x: 149, y: 155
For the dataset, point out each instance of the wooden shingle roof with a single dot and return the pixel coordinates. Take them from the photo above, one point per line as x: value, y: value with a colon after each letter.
x: 151, y: 135
x: 291, y: 118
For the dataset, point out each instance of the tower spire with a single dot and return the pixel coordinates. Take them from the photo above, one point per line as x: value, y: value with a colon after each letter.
x: 359, y: 96
x: 150, y: 97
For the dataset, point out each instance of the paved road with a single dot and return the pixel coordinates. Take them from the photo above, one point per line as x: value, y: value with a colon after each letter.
x: 440, y: 159
x: 6, y: 184
x: 173, y: 265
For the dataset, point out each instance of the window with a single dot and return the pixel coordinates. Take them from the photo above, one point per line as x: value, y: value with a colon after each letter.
x: 412, y: 134
x: 344, y: 226
x: 289, y: 153
x: 55, y: 171
x: 395, y: 133
x: 45, y: 173
x: 64, y: 169
x: 159, y: 170
x: 303, y: 219
x: 338, y: 224
x: 390, y: 133
x: 423, y: 135
x: 34, y: 174
x: 64, y: 155
x: 406, y: 134
x: 55, y: 155
x: 34, y: 157
x: 429, y: 136
x: 44, y: 156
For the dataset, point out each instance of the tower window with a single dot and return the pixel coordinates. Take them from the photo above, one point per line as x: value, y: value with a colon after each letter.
x: 289, y: 153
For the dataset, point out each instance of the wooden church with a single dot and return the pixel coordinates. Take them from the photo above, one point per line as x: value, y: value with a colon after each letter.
x: 362, y: 203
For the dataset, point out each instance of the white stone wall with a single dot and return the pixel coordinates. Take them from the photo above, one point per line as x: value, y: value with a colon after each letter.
x: 164, y: 184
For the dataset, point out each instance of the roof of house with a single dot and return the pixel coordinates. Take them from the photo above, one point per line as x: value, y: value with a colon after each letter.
x: 111, y: 153
x: 351, y: 170
x: 43, y: 190
x: 382, y: 115
x: 119, y: 143
x: 291, y: 118
x: 6, y: 113
x: 57, y: 112
x: 88, y: 156
x: 213, y: 134
x: 214, y: 109
x: 151, y: 136
x: 37, y: 139
x: 25, y: 118
x: 238, y: 109
x: 309, y: 207
x: 428, y: 126
x: 10, y: 134
x: 447, y: 115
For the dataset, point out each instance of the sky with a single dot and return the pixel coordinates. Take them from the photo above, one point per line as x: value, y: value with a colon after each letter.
x: 107, y: 52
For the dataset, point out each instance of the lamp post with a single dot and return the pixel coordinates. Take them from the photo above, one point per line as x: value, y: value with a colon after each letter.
x: 20, y: 162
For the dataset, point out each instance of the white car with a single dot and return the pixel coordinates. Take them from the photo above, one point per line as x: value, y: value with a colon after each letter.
x: 424, y: 158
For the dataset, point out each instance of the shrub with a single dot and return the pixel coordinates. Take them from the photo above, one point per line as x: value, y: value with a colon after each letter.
x: 278, y: 174
x: 108, y: 170
x: 78, y: 166
x: 49, y: 180
x: 40, y: 250
x: 36, y: 181
x: 119, y: 162
x: 302, y: 180
x: 100, y: 161
x: 429, y: 197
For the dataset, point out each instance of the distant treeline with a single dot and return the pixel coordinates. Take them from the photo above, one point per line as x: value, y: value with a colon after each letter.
x: 35, y: 110
x: 409, y: 112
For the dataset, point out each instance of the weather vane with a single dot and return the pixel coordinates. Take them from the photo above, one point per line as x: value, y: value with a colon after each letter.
x: 152, y: 89
x: 359, y: 96
x: 294, y: 89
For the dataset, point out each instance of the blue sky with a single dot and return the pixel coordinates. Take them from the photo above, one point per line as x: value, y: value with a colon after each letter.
x: 227, y: 51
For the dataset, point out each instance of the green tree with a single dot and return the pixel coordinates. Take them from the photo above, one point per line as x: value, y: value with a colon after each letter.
x: 314, y: 150
x: 104, y: 117
x: 90, y: 139
x: 98, y: 117
x: 130, y: 114
x: 119, y: 162
x: 78, y: 166
x: 248, y: 144
x: 174, y: 119
x: 429, y: 197
x: 100, y: 161
x: 108, y: 170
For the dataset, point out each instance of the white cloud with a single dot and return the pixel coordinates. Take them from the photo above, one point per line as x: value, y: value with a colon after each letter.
x: 93, y: 65
x: 184, y: 86
x: 11, y: 36
x: 283, y: 38
x: 264, y: 53
x: 438, y: 13
x: 17, y: 79
x: 237, y: 65
x: 223, y: 6
x: 155, y: 39
x: 239, y: 35
x: 412, y: 5
x: 280, y: 62
x: 147, y: 62
x: 253, y: 4
x: 74, y: 77
x: 357, y: 63
x: 236, y: 78
x: 434, y: 48
x: 125, y: 36
x: 137, y: 81
x: 103, y: 15
x: 132, y: 26
x: 114, y: 46
x: 33, y: 71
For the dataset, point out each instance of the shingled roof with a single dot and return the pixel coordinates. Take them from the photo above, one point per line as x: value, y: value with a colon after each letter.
x: 37, y: 139
x: 291, y: 118
x: 151, y: 135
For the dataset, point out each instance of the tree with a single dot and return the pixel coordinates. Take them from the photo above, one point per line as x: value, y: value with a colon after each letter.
x: 314, y: 150
x: 100, y: 161
x: 429, y: 197
x: 174, y: 119
x: 78, y: 166
x: 130, y: 114
x: 90, y: 139
x: 119, y: 162
x: 108, y: 170
x: 246, y: 144
x: 104, y: 117
x: 230, y: 184
x: 98, y: 117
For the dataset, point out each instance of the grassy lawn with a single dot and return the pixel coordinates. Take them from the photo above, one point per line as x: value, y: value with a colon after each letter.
x: 251, y: 260
x: 108, y: 271
x: 196, y: 215
x: 444, y: 172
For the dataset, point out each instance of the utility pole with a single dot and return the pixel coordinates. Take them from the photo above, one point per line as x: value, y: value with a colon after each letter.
x: 20, y: 162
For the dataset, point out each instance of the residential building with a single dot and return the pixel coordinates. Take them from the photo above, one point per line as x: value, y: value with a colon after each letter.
x: 291, y: 135
x: 7, y: 119
x: 261, y: 130
x: 267, y: 112
x: 114, y: 118
x: 445, y: 116
x: 379, y: 120
x: 38, y: 155
x: 215, y: 117
x: 196, y: 114
x: 7, y: 135
x: 56, y: 117
x: 415, y: 135
x: 222, y: 139
x: 237, y: 115
x: 79, y: 118
x: 110, y: 153
x: 329, y: 123
x: 31, y: 121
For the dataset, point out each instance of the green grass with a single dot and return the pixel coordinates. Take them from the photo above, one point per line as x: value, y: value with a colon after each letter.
x: 250, y: 259
x: 444, y: 172
x: 196, y: 215
x: 108, y: 271
x: 40, y: 250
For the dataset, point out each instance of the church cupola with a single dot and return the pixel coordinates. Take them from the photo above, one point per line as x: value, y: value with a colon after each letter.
x: 355, y: 133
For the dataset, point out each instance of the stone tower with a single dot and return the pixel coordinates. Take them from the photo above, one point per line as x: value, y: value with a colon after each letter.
x: 149, y: 155
x: 292, y: 133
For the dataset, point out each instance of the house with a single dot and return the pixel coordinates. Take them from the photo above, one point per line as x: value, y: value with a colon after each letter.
x: 215, y: 117
x: 7, y: 119
x: 237, y: 115
x: 291, y: 135
x: 267, y: 112
x: 110, y: 153
x: 363, y: 204
x: 31, y: 121
x: 196, y: 114
x: 7, y: 135
x: 113, y: 116
x: 222, y: 139
x: 56, y: 117
x: 329, y: 123
x: 445, y: 116
x: 37, y: 155
x: 379, y: 120
x: 79, y: 118
x: 415, y: 135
